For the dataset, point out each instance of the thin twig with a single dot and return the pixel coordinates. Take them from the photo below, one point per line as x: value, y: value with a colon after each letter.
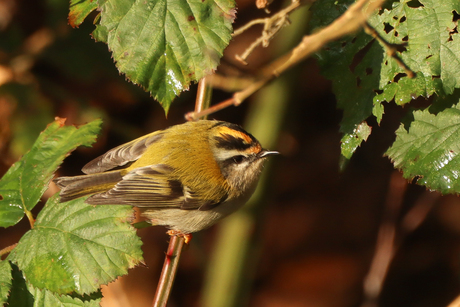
x: 229, y: 83
x: 272, y: 25
x: 389, y: 239
x: 391, y: 49
x: 455, y: 302
x: 351, y: 21
x: 168, y: 272
x: 176, y: 243
x: 385, y: 246
x: 203, y: 95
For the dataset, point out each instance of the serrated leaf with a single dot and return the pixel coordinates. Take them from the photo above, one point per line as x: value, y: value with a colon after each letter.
x: 26, y: 181
x: 164, y: 45
x: 24, y: 295
x: 429, y: 150
x: 364, y: 76
x: 46, y: 298
x: 75, y: 247
x: 79, y: 10
x: 353, y: 65
x: 5, y: 281
x: 432, y: 51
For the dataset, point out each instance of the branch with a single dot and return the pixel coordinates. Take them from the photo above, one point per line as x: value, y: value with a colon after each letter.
x: 168, y: 272
x: 388, y: 240
x: 176, y: 243
x: 272, y: 25
x: 391, y: 49
x: 351, y: 21
x: 385, y: 245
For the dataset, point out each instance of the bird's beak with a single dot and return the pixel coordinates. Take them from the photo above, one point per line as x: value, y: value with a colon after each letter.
x: 265, y: 153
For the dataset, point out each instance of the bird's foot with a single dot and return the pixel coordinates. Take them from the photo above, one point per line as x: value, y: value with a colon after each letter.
x: 187, y: 236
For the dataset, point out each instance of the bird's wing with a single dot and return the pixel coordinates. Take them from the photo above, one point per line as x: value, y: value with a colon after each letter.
x: 122, y: 154
x: 151, y: 186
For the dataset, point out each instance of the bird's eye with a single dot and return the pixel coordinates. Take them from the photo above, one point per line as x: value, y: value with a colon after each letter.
x: 238, y: 159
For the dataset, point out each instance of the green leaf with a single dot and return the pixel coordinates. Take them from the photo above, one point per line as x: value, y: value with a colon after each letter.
x: 5, y: 281
x: 350, y: 142
x: 164, y: 45
x: 26, y: 181
x: 79, y: 10
x: 75, y: 247
x: 433, y: 49
x: 429, y: 150
x: 20, y: 294
x: 24, y: 295
x: 353, y: 65
x: 364, y: 76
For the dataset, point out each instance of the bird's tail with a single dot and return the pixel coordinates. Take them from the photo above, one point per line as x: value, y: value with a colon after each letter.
x: 78, y: 186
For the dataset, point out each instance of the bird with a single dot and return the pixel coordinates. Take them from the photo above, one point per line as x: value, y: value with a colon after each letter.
x: 186, y: 177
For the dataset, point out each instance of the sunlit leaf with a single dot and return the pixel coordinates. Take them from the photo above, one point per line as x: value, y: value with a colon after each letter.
x: 428, y: 27
x: 353, y: 65
x: 164, y: 45
x: 364, y: 76
x: 350, y: 142
x: 429, y: 150
x: 75, y: 247
x: 79, y: 10
x: 26, y: 181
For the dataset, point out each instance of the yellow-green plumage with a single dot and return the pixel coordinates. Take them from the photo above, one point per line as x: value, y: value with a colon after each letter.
x: 185, y: 177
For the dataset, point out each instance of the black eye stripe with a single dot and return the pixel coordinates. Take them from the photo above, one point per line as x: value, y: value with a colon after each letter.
x: 230, y: 142
x: 239, y: 159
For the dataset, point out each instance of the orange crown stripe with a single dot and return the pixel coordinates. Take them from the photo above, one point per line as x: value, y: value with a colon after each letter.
x: 223, y: 130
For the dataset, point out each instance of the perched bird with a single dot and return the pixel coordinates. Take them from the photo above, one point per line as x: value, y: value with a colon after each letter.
x: 186, y: 177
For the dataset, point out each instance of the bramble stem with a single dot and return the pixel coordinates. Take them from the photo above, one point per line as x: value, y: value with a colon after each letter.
x: 168, y: 272
x: 30, y: 217
x: 351, y: 21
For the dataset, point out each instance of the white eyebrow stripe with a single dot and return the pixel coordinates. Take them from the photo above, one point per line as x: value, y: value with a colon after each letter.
x: 223, y: 155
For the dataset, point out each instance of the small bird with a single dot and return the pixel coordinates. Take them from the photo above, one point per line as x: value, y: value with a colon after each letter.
x: 186, y: 177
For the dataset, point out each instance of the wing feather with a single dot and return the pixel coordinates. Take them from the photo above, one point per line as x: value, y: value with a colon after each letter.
x: 151, y: 186
x: 122, y: 154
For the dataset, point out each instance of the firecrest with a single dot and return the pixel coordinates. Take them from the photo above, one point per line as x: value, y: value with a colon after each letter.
x: 186, y: 177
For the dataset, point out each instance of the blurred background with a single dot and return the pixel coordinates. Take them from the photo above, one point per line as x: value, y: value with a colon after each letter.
x: 313, y: 236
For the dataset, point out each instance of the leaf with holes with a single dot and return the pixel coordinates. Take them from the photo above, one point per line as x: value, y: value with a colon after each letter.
x: 164, y: 45
x: 353, y: 65
x: 26, y: 181
x: 425, y: 34
x: 75, y: 247
x: 429, y: 150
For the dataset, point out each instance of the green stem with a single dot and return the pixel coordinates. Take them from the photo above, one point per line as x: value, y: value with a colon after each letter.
x: 169, y: 271
x: 228, y: 277
x: 30, y: 217
x: 203, y: 96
